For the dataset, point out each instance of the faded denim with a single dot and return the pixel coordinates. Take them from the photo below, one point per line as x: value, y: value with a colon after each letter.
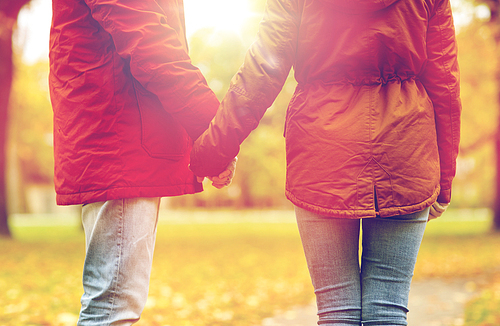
x: 120, y: 237
x: 374, y: 292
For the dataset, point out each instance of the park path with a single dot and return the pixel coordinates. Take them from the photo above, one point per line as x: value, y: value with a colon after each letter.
x: 432, y: 302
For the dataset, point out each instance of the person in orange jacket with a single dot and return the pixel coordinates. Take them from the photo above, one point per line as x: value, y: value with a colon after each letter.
x: 127, y: 105
x: 372, y: 136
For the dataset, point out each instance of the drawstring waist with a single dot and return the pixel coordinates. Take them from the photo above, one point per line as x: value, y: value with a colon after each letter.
x: 362, y: 81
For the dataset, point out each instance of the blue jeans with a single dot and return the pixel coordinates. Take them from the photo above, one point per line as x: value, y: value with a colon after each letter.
x: 375, y: 293
x: 120, y: 237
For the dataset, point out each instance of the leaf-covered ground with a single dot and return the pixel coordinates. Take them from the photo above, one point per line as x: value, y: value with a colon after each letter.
x: 203, y: 274
x: 220, y: 273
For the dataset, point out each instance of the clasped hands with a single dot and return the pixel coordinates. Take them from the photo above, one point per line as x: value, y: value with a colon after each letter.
x: 223, y: 179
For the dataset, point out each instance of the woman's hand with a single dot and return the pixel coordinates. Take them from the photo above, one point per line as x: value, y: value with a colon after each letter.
x: 437, y: 209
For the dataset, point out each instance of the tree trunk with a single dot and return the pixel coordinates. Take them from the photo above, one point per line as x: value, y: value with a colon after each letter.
x: 496, y: 208
x: 495, y: 26
x: 9, y: 9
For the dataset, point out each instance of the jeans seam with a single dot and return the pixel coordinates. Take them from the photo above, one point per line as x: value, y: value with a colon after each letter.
x: 118, y: 261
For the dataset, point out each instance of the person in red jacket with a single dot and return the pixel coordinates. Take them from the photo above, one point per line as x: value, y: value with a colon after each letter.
x: 372, y: 134
x: 127, y: 105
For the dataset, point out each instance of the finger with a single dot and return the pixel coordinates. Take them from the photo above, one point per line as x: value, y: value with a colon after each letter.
x: 433, y: 217
x: 218, y: 185
x: 436, y: 210
x: 232, y: 166
x: 222, y: 183
x: 200, y: 179
x: 226, y: 173
x: 219, y: 180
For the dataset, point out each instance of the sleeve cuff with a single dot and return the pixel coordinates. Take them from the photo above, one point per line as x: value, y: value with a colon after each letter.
x: 444, y: 196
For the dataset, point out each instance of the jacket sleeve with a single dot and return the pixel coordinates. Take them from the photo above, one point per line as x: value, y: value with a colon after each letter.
x: 440, y: 78
x: 252, y: 90
x: 158, y: 60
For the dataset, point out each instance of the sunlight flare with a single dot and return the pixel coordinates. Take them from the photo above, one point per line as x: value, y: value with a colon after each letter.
x: 222, y: 15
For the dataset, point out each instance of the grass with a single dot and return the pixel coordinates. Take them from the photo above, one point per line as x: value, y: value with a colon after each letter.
x: 208, y: 270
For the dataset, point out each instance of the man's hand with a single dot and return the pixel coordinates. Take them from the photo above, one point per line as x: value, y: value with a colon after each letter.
x: 437, y: 210
x: 223, y: 179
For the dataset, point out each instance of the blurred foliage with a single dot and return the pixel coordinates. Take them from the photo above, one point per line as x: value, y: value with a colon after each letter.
x: 438, y: 256
x: 260, y: 176
x: 485, y: 310
x: 31, y: 123
x: 474, y: 183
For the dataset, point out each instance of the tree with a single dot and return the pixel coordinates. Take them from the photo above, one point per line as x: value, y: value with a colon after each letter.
x: 30, y: 133
x: 9, y: 9
x: 474, y: 184
x: 494, y: 24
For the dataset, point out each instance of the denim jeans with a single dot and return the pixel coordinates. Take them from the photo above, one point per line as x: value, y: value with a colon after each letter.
x: 120, y: 237
x: 375, y: 293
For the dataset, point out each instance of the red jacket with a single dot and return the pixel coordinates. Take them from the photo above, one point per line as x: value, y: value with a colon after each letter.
x: 127, y: 101
x: 373, y: 127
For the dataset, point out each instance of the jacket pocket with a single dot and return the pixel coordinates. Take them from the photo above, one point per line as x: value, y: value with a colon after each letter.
x: 162, y: 136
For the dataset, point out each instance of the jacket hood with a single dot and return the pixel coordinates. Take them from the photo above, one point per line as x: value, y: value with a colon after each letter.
x: 361, y: 6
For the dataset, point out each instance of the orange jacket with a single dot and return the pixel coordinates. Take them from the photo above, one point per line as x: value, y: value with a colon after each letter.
x: 127, y: 101
x: 373, y: 127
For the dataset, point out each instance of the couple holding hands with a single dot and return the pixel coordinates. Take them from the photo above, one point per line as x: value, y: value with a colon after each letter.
x: 372, y: 134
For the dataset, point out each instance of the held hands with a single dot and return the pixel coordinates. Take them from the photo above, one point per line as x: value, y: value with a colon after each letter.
x: 223, y: 179
x: 437, y: 210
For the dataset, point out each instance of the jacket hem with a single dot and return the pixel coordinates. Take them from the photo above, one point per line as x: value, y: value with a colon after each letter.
x: 363, y: 213
x: 126, y: 192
